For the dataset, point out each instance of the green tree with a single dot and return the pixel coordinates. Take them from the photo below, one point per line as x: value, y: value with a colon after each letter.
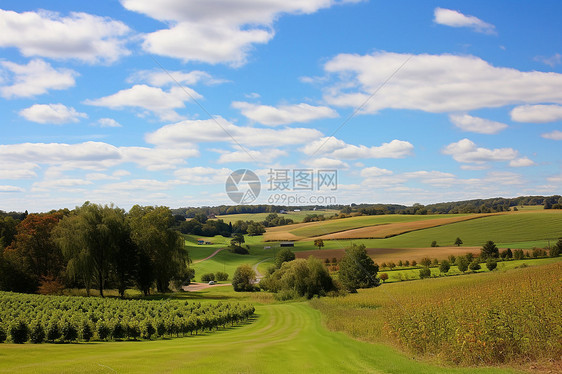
x: 357, y: 269
x: 162, y: 254
x: 462, y: 263
x: 491, y: 264
x: 19, y: 332
x: 425, y: 272
x: 255, y: 228
x: 444, y: 267
x: 489, y: 250
x: 238, y: 239
x: 284, y: 255
x: 319, y: 243
x: 244, y: 278
x: 434, y: 243
x: 208, y: 277
x: 426, y: 261
x: 458, y: 242
x: 221, y: 276
x: 556, y: 249
x: 474, y: 266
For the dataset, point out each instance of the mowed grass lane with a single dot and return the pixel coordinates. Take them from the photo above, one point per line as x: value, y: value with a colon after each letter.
x: 284, y: 338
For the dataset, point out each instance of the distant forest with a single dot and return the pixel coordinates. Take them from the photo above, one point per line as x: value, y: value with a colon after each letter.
x: 498, y: 204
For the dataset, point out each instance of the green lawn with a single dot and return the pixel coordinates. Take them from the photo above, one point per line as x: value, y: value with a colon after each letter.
x: 284, y: 338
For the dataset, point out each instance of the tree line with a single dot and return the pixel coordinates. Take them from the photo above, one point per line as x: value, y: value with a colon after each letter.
x: 93, y: 246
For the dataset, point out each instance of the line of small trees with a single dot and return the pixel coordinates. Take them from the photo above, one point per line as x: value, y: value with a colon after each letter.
x: 97, y: 246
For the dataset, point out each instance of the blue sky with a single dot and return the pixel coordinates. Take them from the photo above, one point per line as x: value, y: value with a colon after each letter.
x: 156, y: 103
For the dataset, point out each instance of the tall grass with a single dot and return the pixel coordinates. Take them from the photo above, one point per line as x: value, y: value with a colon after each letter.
x: 491, y: 318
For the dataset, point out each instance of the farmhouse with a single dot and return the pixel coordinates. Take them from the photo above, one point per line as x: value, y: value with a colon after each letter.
x: 287, y: 244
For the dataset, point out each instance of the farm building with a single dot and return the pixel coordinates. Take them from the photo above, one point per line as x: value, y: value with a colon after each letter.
x: 200, y: 241
x: 287, y: 244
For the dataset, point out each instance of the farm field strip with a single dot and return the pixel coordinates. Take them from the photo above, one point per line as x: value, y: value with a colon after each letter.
x: 284, y: 338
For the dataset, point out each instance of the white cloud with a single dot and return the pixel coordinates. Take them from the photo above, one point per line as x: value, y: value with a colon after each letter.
x: 521, y: 162
x: 555, y: 179
x: 18, y: 170
x: 154, y: 99
x: 215, y: 31
x: 72, y: 184
x: 554, y: 135
x: 326, y: 162
x: 136, y: 185
x: 434, y: 83
x: 263, y: 156
x: 108, y: 122
x: 51, y: 113
x: 79, y: 36
x: 93, y: 156
x: 5, y: 188
x: 466, y: 151
x: 203, y: 175
x: 284, y: 114
x: 374, y: 171
x: 469, y: 123
x: 338, y: 149
x: 35, y: 78
x: 220, y: 130
x: 455, y: 18
x: 537, y: 113
x: 163, y: 78
x: 551, y: 61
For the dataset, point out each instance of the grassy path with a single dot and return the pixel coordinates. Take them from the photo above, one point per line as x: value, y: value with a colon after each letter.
x: 284, y: 338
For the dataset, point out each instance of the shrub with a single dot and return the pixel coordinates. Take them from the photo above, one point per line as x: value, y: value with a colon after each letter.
x: 452, y: 259
x: 36, y: 333
x: 491, y: 264
x: 208, y: 277
x: 474, y: 266
x: 383, y: 277
x: 538, y: 252
x: 238, y: 250
x: 147, y: 329
x: 555, y: 250
x: 2, y: 334
x: 53, y: 331
x: 425, y: 272
x: 69, y: 331
x: 462, y: 264
x: 18, y: 332
x: 117, y: 331
x: 414, y: 263
x: 221, y: 276
x: 518, y: 254
x: 435, y: 262
x: 86, y: 332
x: 103, y: 330
x: 434, y: 243
x: 426, y: 262
x: 284, y: 255
x: 445, y: 266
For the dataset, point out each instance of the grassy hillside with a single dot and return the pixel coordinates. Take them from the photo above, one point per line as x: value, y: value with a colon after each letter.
x: 284, y: 338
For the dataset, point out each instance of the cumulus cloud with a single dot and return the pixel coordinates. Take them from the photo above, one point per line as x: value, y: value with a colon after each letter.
x: 18, y: 170
x: 108, y: 122
x: 35, y: 78
x: 521, y: 162
x: 215, y: 31
x: 284, y: 114
x: 338, y: 149
x: 455, y: 18
x: 6, y: 188
x: 163, y: 78
x: 202, y: 175
x: 434, y: 83
x: 326, y: 162
x: 554, y: 135
x: 79, y: 36
x: 466, y: 151
x: 93, y: 156
x: 551, y: 61
x: 263, y: 156
x: 154, y: 99
x: 469, y: 123
x: 65, y: 184
x: 537, y: 113
x: 52, y: 113
x: 374, y: 171
x: 220, y: 130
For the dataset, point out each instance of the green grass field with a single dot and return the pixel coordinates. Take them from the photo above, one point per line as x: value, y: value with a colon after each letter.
x: 284, y: 338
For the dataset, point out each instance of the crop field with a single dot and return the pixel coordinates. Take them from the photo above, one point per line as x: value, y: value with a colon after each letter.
x: 511, y: 317
x: 282, y: 338
x: 317, y: 229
